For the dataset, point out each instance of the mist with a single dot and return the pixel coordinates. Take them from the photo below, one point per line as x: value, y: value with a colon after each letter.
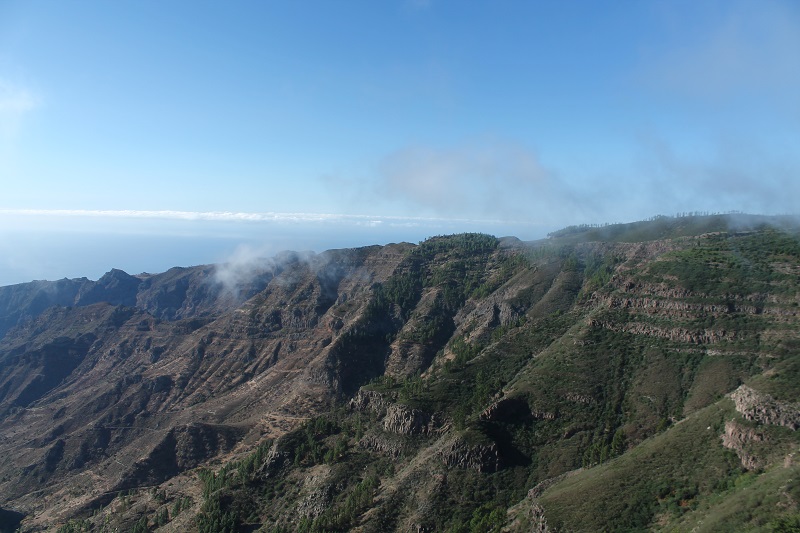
x: 49, y: 246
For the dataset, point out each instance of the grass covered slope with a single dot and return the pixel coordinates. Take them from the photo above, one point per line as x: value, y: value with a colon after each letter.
x: 684, y: 479
x: 734, y: 296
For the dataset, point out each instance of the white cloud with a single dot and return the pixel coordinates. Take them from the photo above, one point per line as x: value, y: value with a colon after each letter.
x: 735, y: 175
x: 229, y: 216
x: 728, y: 85
x: 15, y: 100
x: 243, y: 265
x: 15, y: 103
x: 752, y: 46
x: 498, y: 180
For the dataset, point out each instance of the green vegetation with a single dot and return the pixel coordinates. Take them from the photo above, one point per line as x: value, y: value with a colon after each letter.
x: 141, y: 526
x: 567, y: 378
x: 75, y: 526
x: 666, y: 476
x: 731, y: 264
x: 569, y: 363
x: 341, y: 517
x: 456, y: 266
x: 180, y: 505
x: 598, y: 270
x: 670, y: 227
x: 485, y: 519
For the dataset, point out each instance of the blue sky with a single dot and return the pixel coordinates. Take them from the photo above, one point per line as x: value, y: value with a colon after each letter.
x: 143, y: 134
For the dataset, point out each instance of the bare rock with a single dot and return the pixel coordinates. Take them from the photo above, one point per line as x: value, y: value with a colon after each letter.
x: 318, y: 493
x: 765, y: 409
x: 406, y: 421
x: 385, y: 444
x: 483, y: 457
x: 277, y: 458
x: 369, y: 400
x: 738, y: 438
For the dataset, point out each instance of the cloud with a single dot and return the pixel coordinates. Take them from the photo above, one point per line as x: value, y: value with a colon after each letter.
x: 14, y: 100
x: 229, y: 216
x: 752, y: 47
x: 245, y: 264
x: 727, y: 95
x: 736, y: 175
x: 15, y: 103
x: 498, y: 180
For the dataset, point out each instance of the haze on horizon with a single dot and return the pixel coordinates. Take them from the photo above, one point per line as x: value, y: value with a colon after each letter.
x: 144, y: 135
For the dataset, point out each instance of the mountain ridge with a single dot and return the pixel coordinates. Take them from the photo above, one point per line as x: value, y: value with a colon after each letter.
x: 463, y: 372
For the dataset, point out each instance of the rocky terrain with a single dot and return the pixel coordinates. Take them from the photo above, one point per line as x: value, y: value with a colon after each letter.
x: 628, y: 377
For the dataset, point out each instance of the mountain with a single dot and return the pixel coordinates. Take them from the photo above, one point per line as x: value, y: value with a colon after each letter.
x: 635, y: 376
x: 178, y: 293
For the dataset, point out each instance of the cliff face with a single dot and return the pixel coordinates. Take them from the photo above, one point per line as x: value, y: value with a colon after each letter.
x: 405, y: 387
x: 765, y: 409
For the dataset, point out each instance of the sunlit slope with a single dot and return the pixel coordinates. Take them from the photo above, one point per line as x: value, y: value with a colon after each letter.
x: 611, y: 358
x: 467, y: 383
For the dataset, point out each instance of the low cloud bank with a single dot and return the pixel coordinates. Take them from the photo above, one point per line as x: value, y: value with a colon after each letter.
x: 230, y: 216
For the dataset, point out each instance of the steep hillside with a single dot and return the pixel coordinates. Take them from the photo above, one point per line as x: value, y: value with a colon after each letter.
x: 628, y: 377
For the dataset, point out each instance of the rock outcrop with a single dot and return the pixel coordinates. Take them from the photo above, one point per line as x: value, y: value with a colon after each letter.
x: 483, y: 457
x: 765, y: 409
x: 318, y: 493
x: 395, y: 417
x: 383, y: 443
x: 739, y: 438
x: 370, y: 400
x: 406, y: 421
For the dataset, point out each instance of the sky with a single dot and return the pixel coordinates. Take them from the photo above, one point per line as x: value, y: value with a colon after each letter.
x: 143, y: 135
